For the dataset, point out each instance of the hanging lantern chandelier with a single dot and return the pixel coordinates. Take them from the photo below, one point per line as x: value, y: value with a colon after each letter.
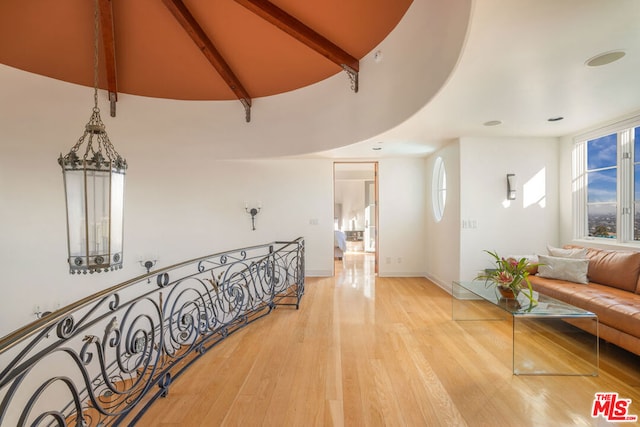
x: 94, y: 192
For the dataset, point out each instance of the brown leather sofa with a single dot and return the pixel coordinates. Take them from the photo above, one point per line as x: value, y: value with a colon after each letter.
x: 612, y: 293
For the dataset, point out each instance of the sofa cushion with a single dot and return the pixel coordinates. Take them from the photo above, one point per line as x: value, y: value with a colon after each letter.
x: 615, y: 308
x: 622, y: 313
x: 618, y: 269
x: 572, y: 270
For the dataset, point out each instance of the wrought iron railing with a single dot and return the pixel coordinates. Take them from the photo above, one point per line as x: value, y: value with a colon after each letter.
x: 105, y: 359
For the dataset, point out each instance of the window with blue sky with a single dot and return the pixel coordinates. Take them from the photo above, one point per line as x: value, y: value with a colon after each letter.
x: 602, y: 172
x: 607, y: 183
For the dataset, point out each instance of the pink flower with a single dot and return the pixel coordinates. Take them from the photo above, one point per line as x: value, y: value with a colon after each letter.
x: 504, y: 278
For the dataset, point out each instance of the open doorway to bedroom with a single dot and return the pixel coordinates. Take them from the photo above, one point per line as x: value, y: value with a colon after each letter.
x: 355, y: 214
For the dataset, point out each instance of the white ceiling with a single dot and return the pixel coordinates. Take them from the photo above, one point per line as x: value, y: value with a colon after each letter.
x: 524, y: 62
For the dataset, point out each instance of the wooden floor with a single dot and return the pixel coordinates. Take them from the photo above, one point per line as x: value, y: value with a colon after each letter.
x: 370, y: 351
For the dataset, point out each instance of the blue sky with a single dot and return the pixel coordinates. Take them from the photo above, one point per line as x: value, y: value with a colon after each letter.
x: 602, y: 153
x: 602, y: 186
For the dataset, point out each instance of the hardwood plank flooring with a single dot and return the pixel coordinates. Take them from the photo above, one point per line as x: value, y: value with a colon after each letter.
x: 370, y: 351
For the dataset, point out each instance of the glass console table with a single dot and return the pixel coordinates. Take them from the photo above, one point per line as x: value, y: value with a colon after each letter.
x: 549, y: 338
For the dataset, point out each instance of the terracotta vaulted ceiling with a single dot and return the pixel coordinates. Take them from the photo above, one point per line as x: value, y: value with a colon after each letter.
x: 154, y: 54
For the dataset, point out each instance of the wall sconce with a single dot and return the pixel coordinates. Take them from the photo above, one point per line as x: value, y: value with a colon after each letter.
x: 148, y: 264
x: 253, y: 212
x: 40, y: 314
x: 511, y: 186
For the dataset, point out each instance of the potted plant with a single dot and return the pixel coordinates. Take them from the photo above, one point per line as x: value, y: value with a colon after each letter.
x: 510, y: 276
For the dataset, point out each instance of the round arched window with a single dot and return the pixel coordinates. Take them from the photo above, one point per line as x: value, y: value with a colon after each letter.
x: 439, y: 189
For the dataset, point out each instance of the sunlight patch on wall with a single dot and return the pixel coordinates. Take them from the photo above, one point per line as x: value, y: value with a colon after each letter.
x: 534, y: 190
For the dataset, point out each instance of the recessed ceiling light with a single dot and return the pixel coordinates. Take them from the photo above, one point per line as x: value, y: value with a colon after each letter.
x: 605, y: 58
x: 555, y: 119
x: 492, y: 123
x: 377, y: 148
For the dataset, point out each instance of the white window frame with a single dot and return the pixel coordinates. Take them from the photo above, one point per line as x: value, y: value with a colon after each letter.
x: 439, y: 188
x: 624, y: 180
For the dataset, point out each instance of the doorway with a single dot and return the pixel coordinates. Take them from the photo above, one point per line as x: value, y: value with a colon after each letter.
x: 355, y: 211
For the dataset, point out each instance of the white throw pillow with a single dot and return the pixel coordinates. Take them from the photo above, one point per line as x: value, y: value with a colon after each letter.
x: 578, y: 253
x: 531, y: 258
x: 570, y: 269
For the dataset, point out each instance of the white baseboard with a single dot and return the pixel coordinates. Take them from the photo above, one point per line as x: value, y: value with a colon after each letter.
x: 318, y: 273
x: 401, y: 274
x: 442, y: 284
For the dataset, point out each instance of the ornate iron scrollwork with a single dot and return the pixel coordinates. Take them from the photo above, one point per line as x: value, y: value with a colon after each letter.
x: 115, y: 351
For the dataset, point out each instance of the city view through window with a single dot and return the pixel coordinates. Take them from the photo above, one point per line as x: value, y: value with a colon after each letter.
x: 603, y: 186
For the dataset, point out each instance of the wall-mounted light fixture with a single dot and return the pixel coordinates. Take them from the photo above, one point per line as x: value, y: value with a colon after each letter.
x: 148, y: 264
x: 253, y: 212
x: 40, y: 314
x: 511, y: 186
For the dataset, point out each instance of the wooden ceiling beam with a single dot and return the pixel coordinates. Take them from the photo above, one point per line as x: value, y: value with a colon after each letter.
x: 109, y: 46
x: 301, y: 32
x: 208, y: 49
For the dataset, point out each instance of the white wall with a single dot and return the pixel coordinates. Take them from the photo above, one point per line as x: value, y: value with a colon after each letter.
x: 402, y: 227
x: 350, y: 194
x: 522, y: 226
x: 181, y: 204
x: 201, y: 210
x: 177, y: 207
x: 443, y: 237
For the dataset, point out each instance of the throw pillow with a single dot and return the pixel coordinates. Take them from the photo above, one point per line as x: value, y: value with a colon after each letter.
x: 578, y: 253
x: 569, y: 269
x: 618, y: 269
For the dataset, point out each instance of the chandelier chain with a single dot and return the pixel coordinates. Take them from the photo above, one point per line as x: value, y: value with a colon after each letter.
x: 99, y: 151
x: 96, y: 30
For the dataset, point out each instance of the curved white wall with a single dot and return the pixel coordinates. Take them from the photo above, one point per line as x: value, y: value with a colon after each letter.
x: 443, y: 237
